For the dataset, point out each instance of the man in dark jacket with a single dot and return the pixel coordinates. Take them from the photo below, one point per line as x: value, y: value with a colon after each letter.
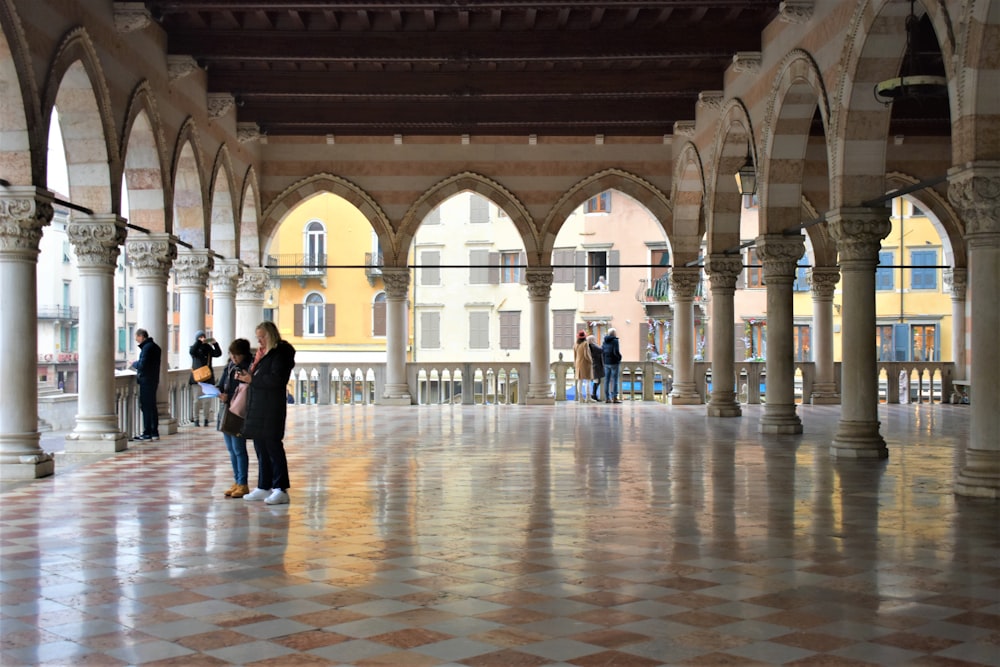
x: 147, y: 372
x: 612, y: 357
x: 202, y: 352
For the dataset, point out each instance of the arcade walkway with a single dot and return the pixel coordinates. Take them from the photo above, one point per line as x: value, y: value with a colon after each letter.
x: 579, y: 534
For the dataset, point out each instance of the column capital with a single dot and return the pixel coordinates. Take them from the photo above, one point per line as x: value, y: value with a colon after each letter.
x: 97, y: 239
x: 225, y: 275
x: 823, y: 281
x: 253, y: 283
x: 957, y: 280
x: 539, y: 282
x: 24, y: 211
x: 723, y: 271
x: 684, y: 282
x: 780, y: 253
x: 152, y: 255
x: 858, y: 232
x: 396, y: 281
x: 974, y: 189
x: 192, y: 266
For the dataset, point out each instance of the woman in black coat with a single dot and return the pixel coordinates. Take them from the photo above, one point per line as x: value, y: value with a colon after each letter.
x: 266, y: 411
x: 597, y: 356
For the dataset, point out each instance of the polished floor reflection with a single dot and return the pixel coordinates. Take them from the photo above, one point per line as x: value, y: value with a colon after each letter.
x: 580, y: 534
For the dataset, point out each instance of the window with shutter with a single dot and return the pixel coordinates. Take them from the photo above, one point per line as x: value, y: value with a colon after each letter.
x: 378, y: 315
x: 479, y: 330
x: 479, y: 209
x: 925, y: 279
x: 430, y: 330
x: 510, y: 330
x: 478, y: 267
x: 563, y: 334
x: 430, y: 267
x: 883, y: 272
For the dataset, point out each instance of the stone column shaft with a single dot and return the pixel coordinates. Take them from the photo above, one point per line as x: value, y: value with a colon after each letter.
x: 539, y: 290
x: 823, y: 281
x: 397, y: 289
x: 224, y: 277
x: 191, y: 271
x: 250, y: 290
x: 723, y: 271
x: 957, y: 281
x: 858, y: 233
x: 24, y: 212
x: 97, y: 240
x: 683, y: 284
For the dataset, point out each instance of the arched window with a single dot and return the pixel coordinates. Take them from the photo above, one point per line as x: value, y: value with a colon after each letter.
x: 315, y: 322
x: 315, y: 246
x: 378, y: 315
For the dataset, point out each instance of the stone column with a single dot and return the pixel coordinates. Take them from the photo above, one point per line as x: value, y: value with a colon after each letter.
x: 683, y: 284
x: 397, y: 289
x: 24, y: 211
x: 858, y: 233
x: 224, y: 277
x: 974, y: 189
x: 191, y: 279
x: 723, y: 271
x: 956, y: 280
x: 151, y: 257
x: 779, y: 253
x: 539, y: 289
x: 97, y: 240
x: 250, y: 290
x: 823, y: 281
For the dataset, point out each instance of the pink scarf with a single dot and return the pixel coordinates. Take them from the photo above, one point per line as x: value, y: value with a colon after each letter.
x: 261, y: 352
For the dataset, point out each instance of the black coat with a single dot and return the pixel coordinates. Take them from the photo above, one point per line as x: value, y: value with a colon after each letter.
x: 612, y: 355
x: 147, y: 366
x: 266, y: 406
x: 597, y: 354
x: 201, y: 355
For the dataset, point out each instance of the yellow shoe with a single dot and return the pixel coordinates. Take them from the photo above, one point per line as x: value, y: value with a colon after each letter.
x: 229, y: 491
x: 240, y: 491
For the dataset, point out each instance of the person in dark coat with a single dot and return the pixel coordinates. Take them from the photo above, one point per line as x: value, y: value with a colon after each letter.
x: 267, y: 382
x: 202, y: 351
x: 612, y: 363
x: 147, y: 373
x: 597, y: 356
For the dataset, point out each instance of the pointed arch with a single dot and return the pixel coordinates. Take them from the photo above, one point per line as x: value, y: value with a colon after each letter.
x: 248, y: 242
x: 733, y: 140
x: 689, y: 193
x: 21, y: 123
x: 144, y: 162
x: 188, y: 189
x: 222, y: 228
x: 944, y: 217
x: 975, y: 113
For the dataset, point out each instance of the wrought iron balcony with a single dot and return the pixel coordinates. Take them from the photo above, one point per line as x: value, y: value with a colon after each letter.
x: 373, y: 266
x: 654, y: 291
x: 297, y: 267
x: 65, y: 313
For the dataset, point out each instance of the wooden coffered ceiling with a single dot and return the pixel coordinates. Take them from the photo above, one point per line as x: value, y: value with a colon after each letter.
x: 502, y: 67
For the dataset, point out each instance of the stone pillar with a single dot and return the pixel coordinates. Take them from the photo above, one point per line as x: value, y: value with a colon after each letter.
x: 780, y: 253
x: 683, y: 284
x: 191, y: 279
x: 858, y: 233
x: 956, y: 280
x: 151, y: 257
x: 397, y: 289
x: 823, y: 281
x: 97, y: 240
x: 24, y: 211
x: 224, y: 277
x: 723, y: 271
x: 250, y: 290
x: 539, y: 289
x: 974, y: 189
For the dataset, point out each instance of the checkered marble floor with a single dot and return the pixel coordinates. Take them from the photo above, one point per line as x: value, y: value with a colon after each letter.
x: 579, y: 534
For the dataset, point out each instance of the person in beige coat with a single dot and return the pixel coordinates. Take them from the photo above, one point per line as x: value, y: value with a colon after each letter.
x: 583, y: 367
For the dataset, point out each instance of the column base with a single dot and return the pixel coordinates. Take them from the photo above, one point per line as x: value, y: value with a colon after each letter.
x: 396, y: 400
x: 540, y: 394
x: 167, y: 425
x: 724, y: 408
x: 780, y: 420
x: 29, y: 465
x: 858, y: 440
x: 825, y: 394
x: 88, y: 442
x: 396, y: 394
x: 685, y: 393
x: 980, y: 478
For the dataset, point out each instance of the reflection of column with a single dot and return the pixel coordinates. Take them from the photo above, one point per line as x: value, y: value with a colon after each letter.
x: 97, y: 240
x: 858, y: 233
x: 224, y: 277
x: 956, y: 280
x: 780, y: 255
x: 250, y: 289
x: 823, y: 281
x: 723, y: 270
x: 683, y: 283
x: 151, y: 258
x: 191, y: 271
x: 24, y: 211
x: 397, y: 287
x: 539, y: 289
x: 975, y: 191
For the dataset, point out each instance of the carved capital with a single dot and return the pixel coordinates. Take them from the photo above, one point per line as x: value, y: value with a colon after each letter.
x: 858, y: 232
x: 796, y: 11
x: 179, y: 67
x: 539, y: 283
x: 253, y: 284
x: 957, y: 281
x: 131, y: 16
x: 97, y: 240
x: 224, y: 276
x: 711, y: 99
x: 24, y: 211
x: 684, y: 128
x: 747, y: 62
x: 723, y: 271
x: 684, y: 282
x: 152, y: 256
x: 219, y: 104
x: 192, y: 267
x: 823, y: 281
x: 975, y: 191
x: 396, y: 281
x: 247, y: 132
x: 780, y: 256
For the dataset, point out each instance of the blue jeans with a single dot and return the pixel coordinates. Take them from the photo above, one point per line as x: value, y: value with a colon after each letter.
x: 238, y: 455
x: 611, y: 381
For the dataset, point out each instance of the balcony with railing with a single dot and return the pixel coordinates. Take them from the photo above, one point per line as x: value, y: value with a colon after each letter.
x: 65, y: 313
x: 298, y: 267
x: 373, y: 267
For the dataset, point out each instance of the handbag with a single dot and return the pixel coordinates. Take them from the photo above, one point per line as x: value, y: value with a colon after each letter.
x: 203, y: 374
x: 230, y: 423
x: 238, y: 401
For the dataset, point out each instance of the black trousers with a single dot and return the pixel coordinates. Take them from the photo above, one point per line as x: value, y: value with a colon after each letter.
x: 147, y: 405
x: 272, y: 466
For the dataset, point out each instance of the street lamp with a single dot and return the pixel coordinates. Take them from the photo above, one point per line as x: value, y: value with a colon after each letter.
x: 746, y: 176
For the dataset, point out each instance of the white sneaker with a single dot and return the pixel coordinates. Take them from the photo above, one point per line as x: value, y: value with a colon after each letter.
x: 258, y: 494
x: 277, y: 497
